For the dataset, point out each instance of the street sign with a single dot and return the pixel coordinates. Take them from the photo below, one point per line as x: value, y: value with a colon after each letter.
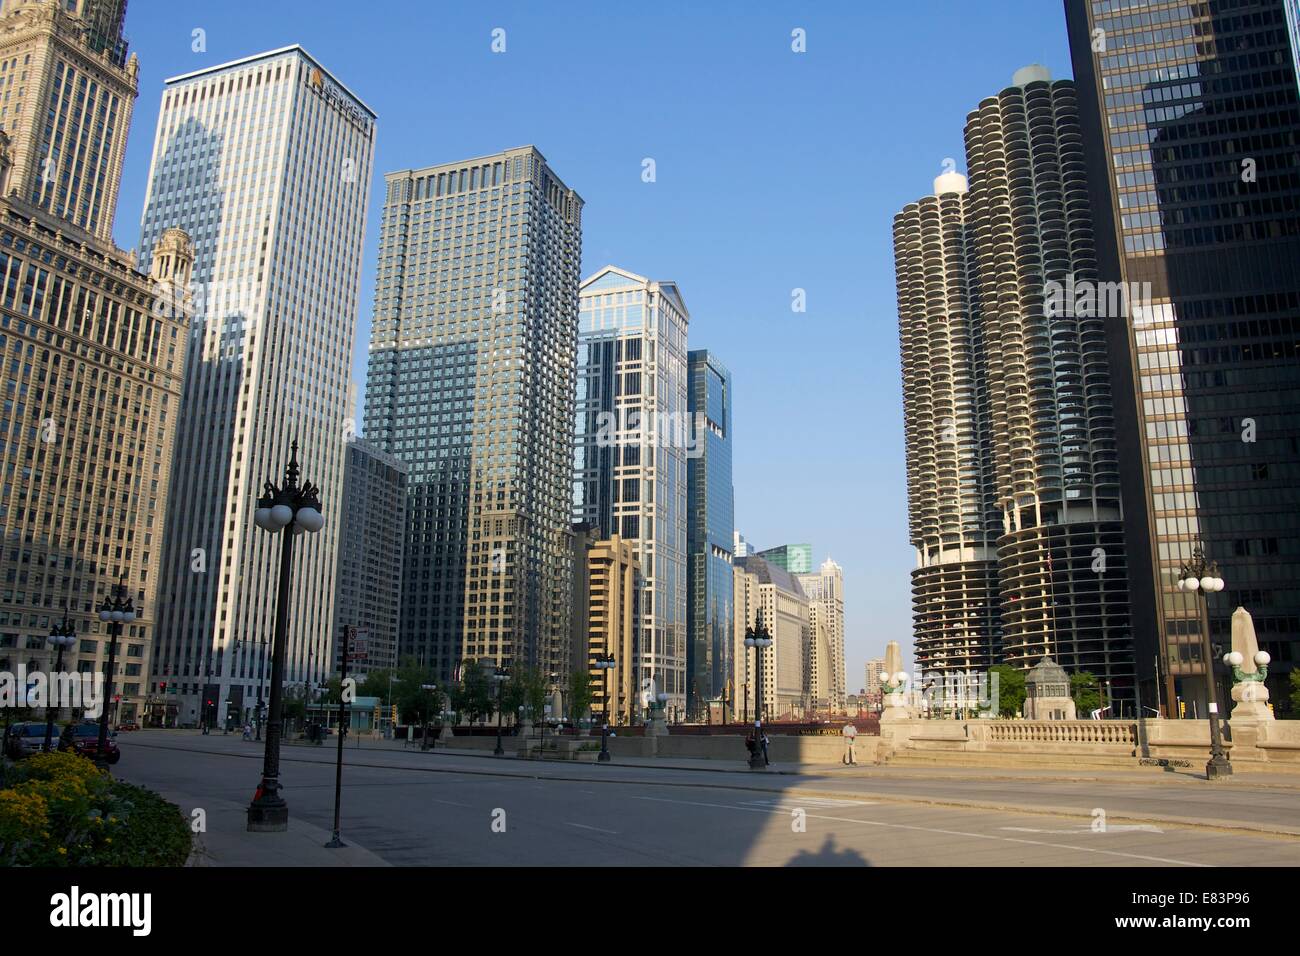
x: 359, y: 649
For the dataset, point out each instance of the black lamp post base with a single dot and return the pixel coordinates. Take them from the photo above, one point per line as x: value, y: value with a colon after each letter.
x: 268, y: 817
x: 756, y: 762
x: 1218, y: 768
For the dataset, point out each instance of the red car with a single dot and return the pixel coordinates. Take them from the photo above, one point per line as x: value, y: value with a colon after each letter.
x: 83, y: 738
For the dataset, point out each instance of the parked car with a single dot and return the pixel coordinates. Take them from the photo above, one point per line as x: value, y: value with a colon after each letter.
x: 83, y: 738
x: 24, y: 739
x: 129, y: 725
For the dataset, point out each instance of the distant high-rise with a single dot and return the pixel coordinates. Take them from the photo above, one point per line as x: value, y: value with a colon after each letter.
x: 92, y: 352
x: 1190, y: 130
x: 824, y: 589
x: 740, y: 547
x: 471, y: 383
x: 875, y: 667
x: 633, y: 436
x: 609, y: 580
x: 371, y: 537
x: 266, y: 162
x: 710, y: 533
x: 794, y: 558
x: 68, y: 93
x: 770, y: 596
x: 953, y: 518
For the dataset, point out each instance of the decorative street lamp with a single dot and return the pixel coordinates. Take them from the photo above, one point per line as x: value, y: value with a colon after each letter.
x: 758, y: 638
x: 289, y: 509
x: 605, y: 664
x: 499, y: 677
x: 62, y: 636
x: 1201, y: 576
x: 116, y: 610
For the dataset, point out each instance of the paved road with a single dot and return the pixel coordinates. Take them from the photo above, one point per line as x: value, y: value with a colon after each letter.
x: 413, y: 808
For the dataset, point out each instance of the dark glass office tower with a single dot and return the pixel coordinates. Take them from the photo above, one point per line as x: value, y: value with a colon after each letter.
x: 1191, y: 129
x: 471, y: 384
x: 710, y: 527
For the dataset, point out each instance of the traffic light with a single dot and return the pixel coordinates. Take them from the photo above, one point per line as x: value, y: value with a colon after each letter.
x: 393, y: 715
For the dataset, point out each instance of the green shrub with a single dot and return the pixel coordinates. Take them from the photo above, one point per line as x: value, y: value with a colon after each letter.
x: 60, y: 810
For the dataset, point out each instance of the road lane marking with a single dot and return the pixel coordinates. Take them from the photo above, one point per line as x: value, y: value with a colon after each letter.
x: 1087, y: 828
x: 821, y: 803
x: 585, y: 827
x: 940, y: 831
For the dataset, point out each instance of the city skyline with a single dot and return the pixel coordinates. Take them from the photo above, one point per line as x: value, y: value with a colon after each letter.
x: 741, y: 297
x: 422, y: 408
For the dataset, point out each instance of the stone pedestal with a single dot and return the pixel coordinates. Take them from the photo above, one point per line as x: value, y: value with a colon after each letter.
x: 895, y: 708
x: 1251, y: 697
x: 658, y: 725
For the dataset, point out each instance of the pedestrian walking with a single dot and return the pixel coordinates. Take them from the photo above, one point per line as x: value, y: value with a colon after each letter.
x: 850, y: 732
x: 763, y: 738
x: 248, y: 731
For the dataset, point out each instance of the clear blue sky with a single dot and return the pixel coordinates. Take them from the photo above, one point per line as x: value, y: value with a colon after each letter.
x: 775, y: 171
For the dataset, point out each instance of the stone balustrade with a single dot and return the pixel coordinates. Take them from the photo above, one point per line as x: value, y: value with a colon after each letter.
x: 1121, y: 732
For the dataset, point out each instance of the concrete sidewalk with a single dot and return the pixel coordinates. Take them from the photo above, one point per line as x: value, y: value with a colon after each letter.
x: 227, y: 842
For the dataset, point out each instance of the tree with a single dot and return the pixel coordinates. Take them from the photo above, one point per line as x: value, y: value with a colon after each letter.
x: 1011, y: 689
x: 1084, y: 690
x: 414, y: 704
x: 533, y: 685
x: 1295, y: 692
x: 580, y: 694
x: 512, y: 698
x: 474, y: 696
x: 375, y: 684
x: 293, y: 703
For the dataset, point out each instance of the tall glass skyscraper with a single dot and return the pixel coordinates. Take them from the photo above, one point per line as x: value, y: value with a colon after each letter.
x: 710, y: 530
x: 266, y: 162
x: 471, y: 384
x: 1190, y: 119
x: 633, y: 436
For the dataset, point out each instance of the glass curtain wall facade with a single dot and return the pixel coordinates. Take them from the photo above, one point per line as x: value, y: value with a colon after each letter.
x: 953, y: 518
x: 632, y: 436
x: 471, y: 383
x: 266, y: 162
x: 794, y: 558
x: 1191, y: 122
x: 710, y: 530
x: 370, y: 550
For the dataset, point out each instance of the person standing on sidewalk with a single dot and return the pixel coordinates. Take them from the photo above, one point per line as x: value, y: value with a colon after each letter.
x: 850, y: 732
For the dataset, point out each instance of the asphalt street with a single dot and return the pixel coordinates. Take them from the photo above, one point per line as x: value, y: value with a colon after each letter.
x: 413, y: 808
